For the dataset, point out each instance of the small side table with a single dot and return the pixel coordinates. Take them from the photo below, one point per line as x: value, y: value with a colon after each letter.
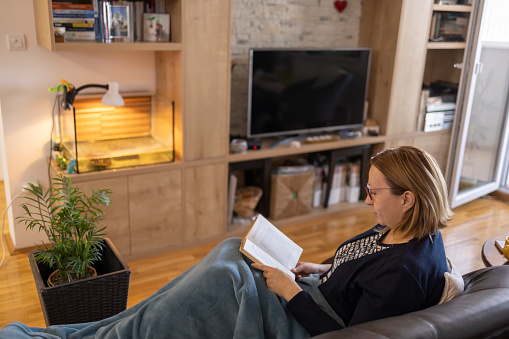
x: 491, y: 256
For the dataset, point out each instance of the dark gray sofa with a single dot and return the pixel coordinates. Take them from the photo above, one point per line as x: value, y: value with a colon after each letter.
x: 481, y: 312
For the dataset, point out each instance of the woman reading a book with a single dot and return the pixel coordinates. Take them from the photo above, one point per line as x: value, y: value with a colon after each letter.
x: 395, y: 267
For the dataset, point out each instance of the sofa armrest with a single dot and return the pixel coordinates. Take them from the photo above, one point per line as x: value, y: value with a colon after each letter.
x: 480, y: 312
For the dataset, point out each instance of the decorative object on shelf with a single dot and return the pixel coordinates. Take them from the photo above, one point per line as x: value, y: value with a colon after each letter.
x: 349, y: 134
x: 156, y: 27
x: 314, y: 139
x: 117, y: 23
x: 71, y: 167
x: 371, y: 128
x: 295, y: 144
x: 340, y: 5
x: 238, y: 146
x: 70, y: 219
x: 246, y: 200
x: 61, y: 161
x: 101, y: 163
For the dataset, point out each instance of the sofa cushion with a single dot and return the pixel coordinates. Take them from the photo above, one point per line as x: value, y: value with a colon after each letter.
x: 454, y: 284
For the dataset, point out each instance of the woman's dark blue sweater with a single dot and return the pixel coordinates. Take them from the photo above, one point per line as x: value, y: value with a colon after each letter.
x: 373, y: 281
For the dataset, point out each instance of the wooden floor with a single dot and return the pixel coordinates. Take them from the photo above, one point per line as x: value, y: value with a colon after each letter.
x: 474, y: 223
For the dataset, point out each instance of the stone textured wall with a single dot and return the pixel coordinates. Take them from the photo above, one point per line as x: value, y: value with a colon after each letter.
x: 283, y: 23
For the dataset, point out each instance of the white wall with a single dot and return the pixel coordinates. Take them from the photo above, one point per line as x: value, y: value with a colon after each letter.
x: 25, y: 77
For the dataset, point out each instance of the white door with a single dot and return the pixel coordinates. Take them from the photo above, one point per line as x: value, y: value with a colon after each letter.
x: 480, y: 134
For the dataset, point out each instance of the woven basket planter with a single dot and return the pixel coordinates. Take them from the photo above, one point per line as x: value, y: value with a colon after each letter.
x: 85, y: 300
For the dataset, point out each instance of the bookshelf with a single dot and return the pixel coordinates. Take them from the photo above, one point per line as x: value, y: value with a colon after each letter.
x: 45, y: 33
x: 404, y: 59
x: 443, y: 55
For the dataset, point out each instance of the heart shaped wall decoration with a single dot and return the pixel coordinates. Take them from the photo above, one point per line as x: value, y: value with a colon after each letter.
x: 340, y: 5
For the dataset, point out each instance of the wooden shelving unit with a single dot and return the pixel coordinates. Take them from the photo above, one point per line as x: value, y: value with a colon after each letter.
x: 167, y: 206
x: 404, y: 60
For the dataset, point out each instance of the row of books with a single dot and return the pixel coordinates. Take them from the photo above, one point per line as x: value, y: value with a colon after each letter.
x: 110, y: 21
x: 345, y: 184
x: 448, y: 26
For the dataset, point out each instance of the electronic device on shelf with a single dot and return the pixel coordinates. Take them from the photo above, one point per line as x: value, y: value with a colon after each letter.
x: 254, y: 144
x: 321, y: 138
x: 304, y: 91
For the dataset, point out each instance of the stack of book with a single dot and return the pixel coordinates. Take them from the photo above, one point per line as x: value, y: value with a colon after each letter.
x: 73, y: 20
x: 345, y: 184
x: 448, y: 26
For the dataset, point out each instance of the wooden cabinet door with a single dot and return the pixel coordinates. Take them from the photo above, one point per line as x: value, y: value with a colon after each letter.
x: 155, y: 210
x: 207, y: 79
x: 116, y: 218
x: 205, y: 201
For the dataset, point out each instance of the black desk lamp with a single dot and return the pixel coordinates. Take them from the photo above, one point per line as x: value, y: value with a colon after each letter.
x: 111, y: 98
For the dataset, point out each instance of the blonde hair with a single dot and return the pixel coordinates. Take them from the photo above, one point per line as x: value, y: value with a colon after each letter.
x: 408, y: 168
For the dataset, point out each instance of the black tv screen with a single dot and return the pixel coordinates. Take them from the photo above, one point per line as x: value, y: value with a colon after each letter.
x: 295, y: 91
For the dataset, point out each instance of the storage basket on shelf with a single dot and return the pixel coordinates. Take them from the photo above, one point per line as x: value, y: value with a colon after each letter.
x: 291, y: 192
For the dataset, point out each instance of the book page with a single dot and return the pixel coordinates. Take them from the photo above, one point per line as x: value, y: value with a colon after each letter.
x: 258, y: 255
x: 274, y: 242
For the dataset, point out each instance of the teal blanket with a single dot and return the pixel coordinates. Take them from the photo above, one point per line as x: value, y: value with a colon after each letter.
x: 220, y: 297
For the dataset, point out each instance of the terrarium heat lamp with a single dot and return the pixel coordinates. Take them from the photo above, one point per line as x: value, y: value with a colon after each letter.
x: 112, y: 96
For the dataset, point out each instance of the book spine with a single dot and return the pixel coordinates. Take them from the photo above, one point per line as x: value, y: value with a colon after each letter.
x: 79, y: 35
x: 432, y: 26
x: 138, y: 20
x: 335, y: 190
x: 98, y: 20
x: 89, y: 25
x: 160, y: 6
x: 77, y: 16
x: 318, y: 187
x: 72, y: 1
x: 75, y: 28
x: 148, y: 6
x: 131, y: 26
x: 353, y: 187
x: 75, y: 21
x: 437, y: 25
x: 72, y: 6
x: 72, y: 11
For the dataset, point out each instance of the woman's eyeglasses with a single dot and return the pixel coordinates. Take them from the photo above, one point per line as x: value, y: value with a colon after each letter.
x: 369, y: 189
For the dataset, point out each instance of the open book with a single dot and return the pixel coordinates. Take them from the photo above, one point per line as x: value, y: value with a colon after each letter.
x: 266, y: 244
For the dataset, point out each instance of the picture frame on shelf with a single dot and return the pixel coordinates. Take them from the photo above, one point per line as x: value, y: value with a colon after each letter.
x: 117, y: 23
x: 156, y: 27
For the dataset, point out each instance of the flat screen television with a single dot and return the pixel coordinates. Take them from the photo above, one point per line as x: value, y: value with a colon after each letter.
x: 306, y: 91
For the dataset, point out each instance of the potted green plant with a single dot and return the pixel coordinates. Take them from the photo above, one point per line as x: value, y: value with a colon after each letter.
x: 79, y: 271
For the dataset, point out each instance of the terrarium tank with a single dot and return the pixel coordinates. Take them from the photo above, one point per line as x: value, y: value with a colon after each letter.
x: 100, y: 137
